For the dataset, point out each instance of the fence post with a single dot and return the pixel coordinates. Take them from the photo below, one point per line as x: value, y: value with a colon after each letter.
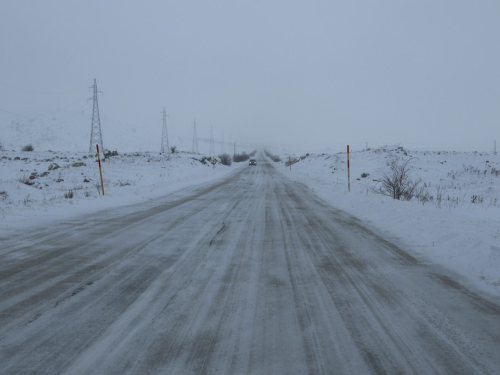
x: 100, y: 170
x: 348, y: 171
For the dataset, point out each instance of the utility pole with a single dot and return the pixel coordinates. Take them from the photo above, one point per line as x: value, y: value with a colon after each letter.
x: 95, y: 130
x: 195, y: 149
x: 211, y: 151
x: 164, y: 136
x: 348, y: 171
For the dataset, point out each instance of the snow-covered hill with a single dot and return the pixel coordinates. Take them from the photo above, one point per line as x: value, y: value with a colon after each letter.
x: 69, y: 130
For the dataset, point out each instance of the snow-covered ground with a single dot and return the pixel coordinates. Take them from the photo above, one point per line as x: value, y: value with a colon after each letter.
x: 39, y: 187
x: 135, y: 175
x: 461, y: 230
x: 457, y: 226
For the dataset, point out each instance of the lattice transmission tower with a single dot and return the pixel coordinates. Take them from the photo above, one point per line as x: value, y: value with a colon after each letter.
x: 195, y: 150
x: 164, y: 136
x: 223, y: 146
x: 95, y: 130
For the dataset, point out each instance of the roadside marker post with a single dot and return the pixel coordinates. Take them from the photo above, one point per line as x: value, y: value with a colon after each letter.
x: 100, y: 169
x: 348, y: 171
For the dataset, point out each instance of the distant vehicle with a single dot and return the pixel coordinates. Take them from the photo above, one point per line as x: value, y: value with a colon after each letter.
x: 252, y: 162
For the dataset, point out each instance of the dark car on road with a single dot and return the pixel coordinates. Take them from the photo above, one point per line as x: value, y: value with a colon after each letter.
x: 252, y: 162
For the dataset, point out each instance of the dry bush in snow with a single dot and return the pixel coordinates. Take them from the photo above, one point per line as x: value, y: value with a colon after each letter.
x: 397, y: 183
x: 226, y: 159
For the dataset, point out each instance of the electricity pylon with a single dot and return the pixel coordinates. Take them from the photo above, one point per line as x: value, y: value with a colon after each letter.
x: 211, y: 151
x: 195, y: 140
x: 164, y: 136
x: 95, y: 130
x: 223, y: 147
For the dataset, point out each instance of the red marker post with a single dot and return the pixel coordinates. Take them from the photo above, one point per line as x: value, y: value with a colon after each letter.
x: 348, y: 171
x: 100, y: 169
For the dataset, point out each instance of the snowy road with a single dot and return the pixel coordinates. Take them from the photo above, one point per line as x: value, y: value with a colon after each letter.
x: 253, y: 274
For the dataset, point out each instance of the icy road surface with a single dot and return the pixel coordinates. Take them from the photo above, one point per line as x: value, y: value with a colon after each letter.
x: 253, y: 274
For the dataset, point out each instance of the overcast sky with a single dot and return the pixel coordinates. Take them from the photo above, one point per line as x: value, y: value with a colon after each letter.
x: 423, y: 73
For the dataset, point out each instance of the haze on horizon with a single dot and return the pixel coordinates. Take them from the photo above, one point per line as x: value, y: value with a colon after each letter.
x: 303, y: 74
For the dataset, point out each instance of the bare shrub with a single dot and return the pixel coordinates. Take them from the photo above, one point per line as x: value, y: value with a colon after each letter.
x: 440, y: 191
x: 476, y: 199
x: 173, y: 149
x: 423, y: 195
x: 28, y: 147
x: 453, y: 202
x: 274, y: 158
x: 226, y: 159
x: 27, y: 200
x: 69, y: 194
x: 291, y: 161
x: 108, y: 154
x: 241, y: 157
x: 397, y: 183
x: 24, y: 179
x: 97, y: 185
x: 495, y: 283
x: 364, y: 175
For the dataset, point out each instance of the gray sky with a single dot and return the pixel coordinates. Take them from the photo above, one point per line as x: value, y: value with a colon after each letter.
x: 423, y: 73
